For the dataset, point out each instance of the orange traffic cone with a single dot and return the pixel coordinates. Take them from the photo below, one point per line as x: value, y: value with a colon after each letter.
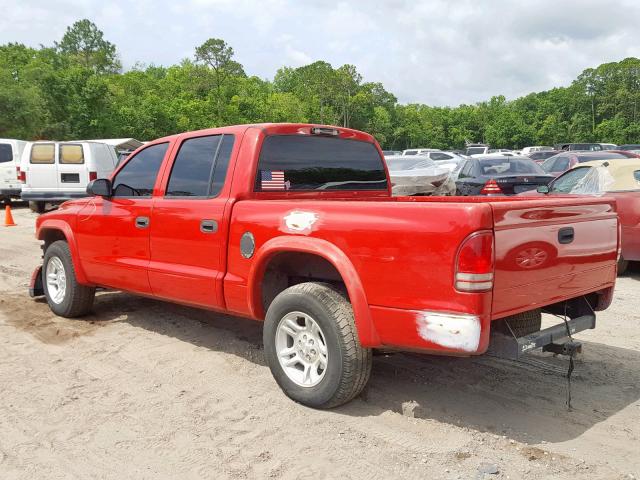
x: 8, y: 218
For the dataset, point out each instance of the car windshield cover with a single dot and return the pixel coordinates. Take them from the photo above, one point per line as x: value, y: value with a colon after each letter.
x: 303, y: 162
x: 509, y: 166
x: 408, y: 164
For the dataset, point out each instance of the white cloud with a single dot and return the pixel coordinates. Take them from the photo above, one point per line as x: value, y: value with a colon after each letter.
x: 437, y: 52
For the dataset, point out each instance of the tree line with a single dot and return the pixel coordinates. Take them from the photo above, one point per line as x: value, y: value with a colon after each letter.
x: 76, y: 89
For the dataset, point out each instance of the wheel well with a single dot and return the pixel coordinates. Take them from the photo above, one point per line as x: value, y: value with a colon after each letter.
x: 52, y: 235
x: 291, y: 268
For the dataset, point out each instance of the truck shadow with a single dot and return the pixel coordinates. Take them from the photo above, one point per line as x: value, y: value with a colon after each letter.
x: 524, y: 401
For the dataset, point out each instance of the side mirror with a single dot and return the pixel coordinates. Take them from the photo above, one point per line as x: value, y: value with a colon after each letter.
x: 100, y: 187
x: 542, y: 189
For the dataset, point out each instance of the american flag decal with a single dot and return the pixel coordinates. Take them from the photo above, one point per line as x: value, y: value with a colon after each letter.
x: 272, y: 180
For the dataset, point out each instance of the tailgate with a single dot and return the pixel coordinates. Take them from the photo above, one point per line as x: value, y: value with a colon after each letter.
x: 552, y: 249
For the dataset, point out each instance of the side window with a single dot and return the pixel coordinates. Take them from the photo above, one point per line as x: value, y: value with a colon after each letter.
x: 565, y: 182
x: 200, y: 166
x: 70, y: 154
x: 466, y: 169
x: 137, y: 177
x: 43, y: 153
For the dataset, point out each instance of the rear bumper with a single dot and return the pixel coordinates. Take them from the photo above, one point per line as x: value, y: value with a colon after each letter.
x: 10, y: 192
x: 60, y: 196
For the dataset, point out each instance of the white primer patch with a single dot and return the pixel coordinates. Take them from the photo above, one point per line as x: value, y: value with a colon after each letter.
x: 461, y: 332
x: 300, y: 221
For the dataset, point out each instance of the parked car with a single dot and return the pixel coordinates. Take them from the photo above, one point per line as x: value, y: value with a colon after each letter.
x: 59, y: 171
x: 418, y: 151
x: 499, y: 175
x: 10, y: 152
x: 620, y: 180
x: 562, y: 162
x: 502, y: 150
x: 538, y: 148
x: 418, y: 175
x: 629, y: 146
x: 391, y: 153
x: 476, y: 149
x: 609, y: 146
x: 241, y: 220
x: 540, y: 156
x: 587, y: 147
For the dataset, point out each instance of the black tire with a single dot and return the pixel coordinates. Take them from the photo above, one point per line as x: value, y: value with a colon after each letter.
x: 349, y: 365
x: 37, y: 207
x: 78, y: 299
x: 521, y: 324
x: 623, y: 265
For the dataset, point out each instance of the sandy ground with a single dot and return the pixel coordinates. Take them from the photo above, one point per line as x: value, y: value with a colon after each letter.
x: 146, y: 389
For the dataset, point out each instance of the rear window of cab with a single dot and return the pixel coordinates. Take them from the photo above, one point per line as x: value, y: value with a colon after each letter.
x: 304, y: 163
x: 6, y: 152
x: 71, y: 154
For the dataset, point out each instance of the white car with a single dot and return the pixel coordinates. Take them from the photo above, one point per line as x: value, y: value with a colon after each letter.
x: 476, y: 149
x: 10, y: 153
x: 419, y: 176
x: 538, y: 148
x: 59, y: 171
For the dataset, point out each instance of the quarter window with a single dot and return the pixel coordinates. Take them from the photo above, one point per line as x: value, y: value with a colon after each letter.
x: 71, y: 154
x: 43, y: 153
x: 138, y: 175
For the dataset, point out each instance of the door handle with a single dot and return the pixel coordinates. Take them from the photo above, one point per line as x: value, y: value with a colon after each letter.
x: 566, y: 235
x: 142, y: 222
x: 208, y: 226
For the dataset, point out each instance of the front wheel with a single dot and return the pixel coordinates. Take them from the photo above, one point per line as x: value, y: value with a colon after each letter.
x: 65, y: 296
x: 312, y: 348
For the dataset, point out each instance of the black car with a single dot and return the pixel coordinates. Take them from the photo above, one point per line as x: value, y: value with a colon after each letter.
x: 589, y: 147
x: 541, y: 156
x: 500, y: 175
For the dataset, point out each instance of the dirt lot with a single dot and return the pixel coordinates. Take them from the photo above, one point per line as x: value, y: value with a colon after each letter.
x: 145, y: 389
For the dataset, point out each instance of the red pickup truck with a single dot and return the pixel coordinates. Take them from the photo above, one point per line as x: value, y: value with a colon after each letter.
x: 295, y: 225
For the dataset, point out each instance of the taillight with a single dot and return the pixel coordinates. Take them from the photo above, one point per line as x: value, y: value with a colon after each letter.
x: 491, y: 187
x: 93, y: 176
x: 475, y: 263
x: 22, y: 176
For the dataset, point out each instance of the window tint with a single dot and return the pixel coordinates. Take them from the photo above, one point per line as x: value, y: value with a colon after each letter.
x: 71, y: 154
x: 297, y: 162
x: 467, y: 170
x: 6, y: 153
x: 200, y: 167
x: 565, y: 182
x: 636, y: 175
x: 137, y: 177
x: 43, y: 153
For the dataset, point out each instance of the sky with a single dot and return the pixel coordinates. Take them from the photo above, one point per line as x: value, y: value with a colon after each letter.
x: 437, y: 52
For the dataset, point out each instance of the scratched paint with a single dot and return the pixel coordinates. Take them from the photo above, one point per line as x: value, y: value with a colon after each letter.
x: 460, y: 332
x: 298, y: 221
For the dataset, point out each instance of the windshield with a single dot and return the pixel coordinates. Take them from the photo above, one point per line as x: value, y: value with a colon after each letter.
x: 509, y: 166
x: 304, y: 162
x: 6, y: 153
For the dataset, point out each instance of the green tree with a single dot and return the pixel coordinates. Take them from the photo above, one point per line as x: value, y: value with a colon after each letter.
x: 84, y: 43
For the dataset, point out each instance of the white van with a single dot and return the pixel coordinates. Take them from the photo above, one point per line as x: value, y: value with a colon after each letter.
x: 59, y: 171
x: 10, y: 154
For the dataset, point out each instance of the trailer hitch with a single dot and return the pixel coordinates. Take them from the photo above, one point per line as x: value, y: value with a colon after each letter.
x: 569, y: 348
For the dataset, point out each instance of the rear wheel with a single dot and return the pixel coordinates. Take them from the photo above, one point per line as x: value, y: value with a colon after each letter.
x: 65, y: 296
x: 37, y: 207
x: 312, y: 348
